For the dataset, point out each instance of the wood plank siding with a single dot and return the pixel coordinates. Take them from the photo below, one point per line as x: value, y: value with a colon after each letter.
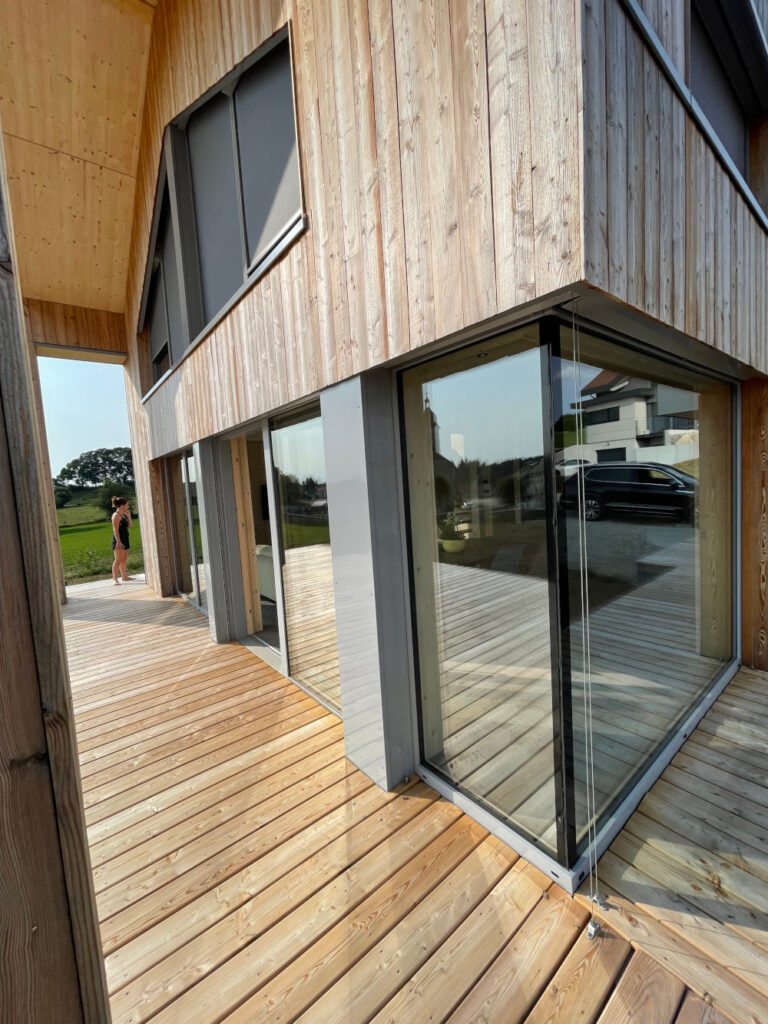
x: 666, y: 229
x: 246, y: 871
x: 75, y: 332
x: 50, y: 963
x: 439, y: 150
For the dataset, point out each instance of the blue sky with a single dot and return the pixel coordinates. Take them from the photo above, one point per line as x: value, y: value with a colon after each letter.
x: 84, y: 405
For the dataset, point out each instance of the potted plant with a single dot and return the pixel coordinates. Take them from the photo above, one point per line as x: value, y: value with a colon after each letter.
x: 453, y: 540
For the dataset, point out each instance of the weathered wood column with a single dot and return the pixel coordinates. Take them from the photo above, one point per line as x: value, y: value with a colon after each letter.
x: 51, y: 966
x: 754, y: 524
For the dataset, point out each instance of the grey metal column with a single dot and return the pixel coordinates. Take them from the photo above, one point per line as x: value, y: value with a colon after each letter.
x: 221, y: 548
x: 370, y: 589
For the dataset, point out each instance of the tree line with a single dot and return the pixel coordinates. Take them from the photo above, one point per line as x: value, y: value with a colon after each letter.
x: 106, y: 468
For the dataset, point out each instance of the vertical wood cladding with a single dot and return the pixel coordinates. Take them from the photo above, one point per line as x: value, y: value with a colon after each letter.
x: 678, y: 240
x: 754, y: 549
x: 440, y: 152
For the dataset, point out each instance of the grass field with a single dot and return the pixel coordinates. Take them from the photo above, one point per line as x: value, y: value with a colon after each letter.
x: 85, y: 534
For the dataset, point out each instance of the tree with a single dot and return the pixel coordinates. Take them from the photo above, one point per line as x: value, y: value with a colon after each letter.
x: 92, y: 468
x: 61, y: 495
x: 106, y: 492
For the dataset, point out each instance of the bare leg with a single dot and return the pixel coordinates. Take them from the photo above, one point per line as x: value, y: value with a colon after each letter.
x: 116, y: 567
x: 124, y: 566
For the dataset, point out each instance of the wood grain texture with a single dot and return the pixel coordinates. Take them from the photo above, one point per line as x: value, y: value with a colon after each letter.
x: 754, y: 538
x: 71, y: 94
x: 695, y: 254
x: 246, y: 871
x: 52, y: 326
x: 408, y: 215
x: 67, y: 981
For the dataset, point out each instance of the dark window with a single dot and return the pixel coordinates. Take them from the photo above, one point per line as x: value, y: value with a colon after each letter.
x: 216, y: 202
x: 654, y: 476
x: 613, y: 455
x: 595, y: 416
x: 712, y: 87
x: 166, y: 252
x: 231, y: 191
x: 267, y: 144
x: 163, y: 318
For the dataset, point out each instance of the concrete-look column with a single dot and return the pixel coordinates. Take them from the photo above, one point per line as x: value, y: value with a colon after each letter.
x: 369, y: 584
x: 221, y: 550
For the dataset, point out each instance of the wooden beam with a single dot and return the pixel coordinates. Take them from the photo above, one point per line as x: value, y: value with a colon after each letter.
x: 55, y: 969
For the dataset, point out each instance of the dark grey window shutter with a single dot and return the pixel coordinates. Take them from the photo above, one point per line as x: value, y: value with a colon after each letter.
x: 166, y: 250
x: 267, y: 146
x: 157, y: 314
x: 216, y: 202
x: 716, y: 95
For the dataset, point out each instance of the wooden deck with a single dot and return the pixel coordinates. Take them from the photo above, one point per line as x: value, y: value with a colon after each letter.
x: 247, y: 872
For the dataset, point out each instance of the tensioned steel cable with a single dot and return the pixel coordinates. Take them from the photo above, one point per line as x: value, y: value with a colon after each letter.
x: 585, y: 628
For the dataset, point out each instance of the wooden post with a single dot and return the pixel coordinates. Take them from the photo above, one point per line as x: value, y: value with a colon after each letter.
x: 715, y: 522
x: 754, y: 524
x: 247, y: 535
x: 52, y: 524
x: 51, y: 966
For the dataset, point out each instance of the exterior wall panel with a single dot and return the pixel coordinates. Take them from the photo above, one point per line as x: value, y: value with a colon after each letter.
x: 695, y: 252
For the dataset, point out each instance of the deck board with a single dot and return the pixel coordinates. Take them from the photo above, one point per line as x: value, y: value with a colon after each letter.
x: 246, y: 871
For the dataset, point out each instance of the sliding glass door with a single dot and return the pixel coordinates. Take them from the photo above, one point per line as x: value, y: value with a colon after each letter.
x: 186, y: 528
x: 305, y: 554
x: 570, y: 502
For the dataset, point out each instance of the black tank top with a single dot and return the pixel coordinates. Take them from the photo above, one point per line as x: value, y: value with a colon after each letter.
x: 122, y: 530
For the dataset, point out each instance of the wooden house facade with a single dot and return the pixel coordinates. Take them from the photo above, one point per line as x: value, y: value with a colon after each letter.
x: 445, y: 335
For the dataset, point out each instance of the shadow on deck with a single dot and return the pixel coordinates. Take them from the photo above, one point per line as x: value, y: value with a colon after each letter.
x: 246, y: 871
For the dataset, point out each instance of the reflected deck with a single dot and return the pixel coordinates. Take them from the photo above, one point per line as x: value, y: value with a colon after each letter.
x: 496, y: 690
x: 310, y: 617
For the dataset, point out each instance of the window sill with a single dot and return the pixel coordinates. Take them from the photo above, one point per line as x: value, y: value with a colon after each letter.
x: 296, y: 229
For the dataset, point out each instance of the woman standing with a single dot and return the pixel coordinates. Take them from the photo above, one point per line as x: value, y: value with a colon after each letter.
x: 121, y: 544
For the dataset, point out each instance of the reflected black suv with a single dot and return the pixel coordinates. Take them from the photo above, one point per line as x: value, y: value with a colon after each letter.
x: 636, y: 488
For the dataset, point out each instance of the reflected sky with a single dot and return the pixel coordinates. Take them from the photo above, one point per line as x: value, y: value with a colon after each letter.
x: 491, y: 412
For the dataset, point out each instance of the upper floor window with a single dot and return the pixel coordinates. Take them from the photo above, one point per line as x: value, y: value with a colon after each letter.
x: 728, y: 76
x: 228, y: 203
x: 712, y: 86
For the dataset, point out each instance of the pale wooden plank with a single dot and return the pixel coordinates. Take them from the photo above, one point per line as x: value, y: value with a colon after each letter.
x: 581, y: 986
x: 646, y: 992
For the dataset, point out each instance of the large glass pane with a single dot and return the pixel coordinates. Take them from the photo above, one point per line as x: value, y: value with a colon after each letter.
x: 476, y: 473
x: 266, y: 547
x: 182, y: 552
x: 310, y: 612
x: 196, y: 527
x: 644, y: 476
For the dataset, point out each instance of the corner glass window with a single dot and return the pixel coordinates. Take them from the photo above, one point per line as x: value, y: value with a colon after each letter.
x: 572, y: 575
x: 645, y: 550
x: 477, y: 493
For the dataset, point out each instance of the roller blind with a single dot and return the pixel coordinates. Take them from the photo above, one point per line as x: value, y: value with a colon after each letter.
x: 267, y: 148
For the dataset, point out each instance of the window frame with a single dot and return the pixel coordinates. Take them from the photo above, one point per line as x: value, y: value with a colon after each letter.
x: 174, y: 173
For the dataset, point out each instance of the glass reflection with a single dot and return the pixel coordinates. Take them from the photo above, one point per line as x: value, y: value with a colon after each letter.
x: 196, y: 539
x: 643, y: 453
x: 310, y: 613
x: 474, y: 438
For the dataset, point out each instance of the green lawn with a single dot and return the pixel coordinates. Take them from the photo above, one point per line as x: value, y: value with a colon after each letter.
x: 86, y: 551
x: 85, y: 533
x: 299, y: 535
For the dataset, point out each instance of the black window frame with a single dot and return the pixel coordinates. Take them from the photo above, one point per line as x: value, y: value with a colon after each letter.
x: 174, y: 175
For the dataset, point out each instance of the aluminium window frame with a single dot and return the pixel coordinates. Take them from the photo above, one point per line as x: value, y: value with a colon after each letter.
x: 175, y: 173
x: 616, y: 815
